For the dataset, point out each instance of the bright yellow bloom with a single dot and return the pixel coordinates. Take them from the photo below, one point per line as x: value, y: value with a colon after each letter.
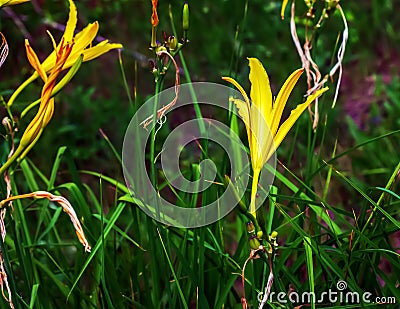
x: 46, y: 107
x: 263, y: 115
x: 82, y: 42
x: 82, y: 46
x: 11, y: 2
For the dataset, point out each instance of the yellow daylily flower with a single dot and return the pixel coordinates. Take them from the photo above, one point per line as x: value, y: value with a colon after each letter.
x: 82, y: 46
x: 263, y: 114
x: 46, y: 107
x: 11, y: 2
x: 82, y: 42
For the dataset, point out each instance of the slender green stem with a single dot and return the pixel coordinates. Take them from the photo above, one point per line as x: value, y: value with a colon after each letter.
x: 20, y: 88
x: 197, y: 110
x: 153, y: 132
x: 153, y: 176
x: 126, y: 86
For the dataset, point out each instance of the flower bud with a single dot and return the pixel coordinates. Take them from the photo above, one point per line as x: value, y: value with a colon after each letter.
x: 250, y: 227
x: 185, y: 17
x: 153, y: 42
x: 172, y: 42
x: 254, y: 242
x: 160, y: 48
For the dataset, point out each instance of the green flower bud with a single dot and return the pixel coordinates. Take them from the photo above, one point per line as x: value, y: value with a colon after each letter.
x: 254, y: 242
x: 172, y: 42
x: 160, y: 48
x: 185, y: 17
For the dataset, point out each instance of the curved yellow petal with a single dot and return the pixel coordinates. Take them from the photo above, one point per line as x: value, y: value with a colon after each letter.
x: 68, y: 36
x: 281, y: 99
x: 84, y: 37
x: 98, y: 50
x: 284, y: 3
x: 11, y: 2
x: 294, y: 115
x: 243, y: 109
x: 81, y: 41
x: 71, y: 23
x: 240, y: 88
x: 260, y: 92
x: 261, y: 112
x: 90, y: 53
x: 48, y: 113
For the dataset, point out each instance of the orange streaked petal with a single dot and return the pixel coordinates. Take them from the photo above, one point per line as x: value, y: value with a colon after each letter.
x: 154, y: 16
x: 34, y: 61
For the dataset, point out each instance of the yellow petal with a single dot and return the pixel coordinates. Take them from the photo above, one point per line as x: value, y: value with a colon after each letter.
x: 84, y: 37
x: 294, y: 115
x: 34, y: 61
x: 11, y: 2
x: 281, y: 99
x: 81, y: 41
x: 260, y: 92
x: 240, y: 88
x: 90, y: 53
x: 98, y: 50
x: 71, y: 23
x: 284, y: 3
x: 31, y: 131
x: 244, y: 112
x: 261, y: 112
x: 243, y: 109
x: 68, y: 35
x: 262, y: 138
x: 48, y: 113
